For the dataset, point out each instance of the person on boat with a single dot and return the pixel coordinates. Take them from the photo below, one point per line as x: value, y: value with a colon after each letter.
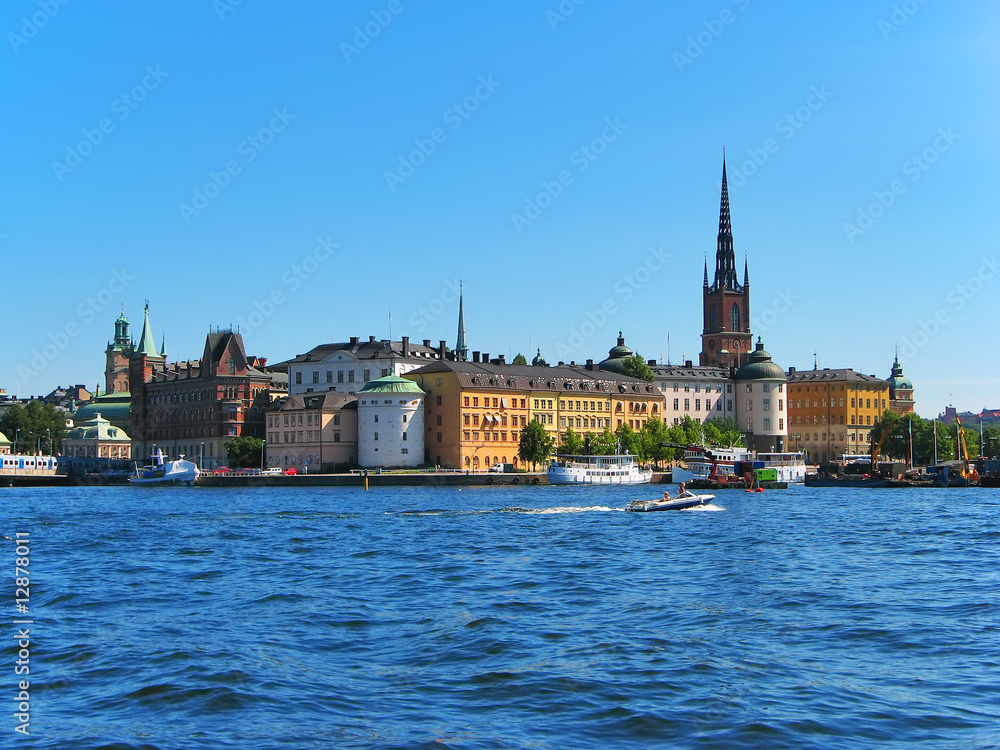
x: 666, y: 496
x: 683, y: 490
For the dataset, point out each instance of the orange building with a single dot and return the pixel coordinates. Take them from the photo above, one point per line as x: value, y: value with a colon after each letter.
x: 831, y: 412
x: 475, y: 411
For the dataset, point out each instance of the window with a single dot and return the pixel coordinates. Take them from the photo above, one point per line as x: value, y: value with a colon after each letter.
x: 336, y: 419
x: 734, y: 317
x: 466, y: 400
x: 404, y: 450
x: 440, y: 437
x: 766, y: 387
x: 315, y: 376
x: 376, y: 434
x: 687, y: 387
x: 687, y: 404
x: 350, y: 376
x: 467, y: 420
x: 376, y: 417
x: 749, y: 387
x: 340, y: 376
x: 729, y: 404
x: 729, y: 387
x: 718, y: 404
x: 475, y: 400
x: 405, y: 434
x: 367, y: 375
x: 766, y: 405
x: 439, y: 401
x: 749, y: 424
x: 298, y: 378
x: 767, y: 424
x: 329, y: 376
x: 713, y: 319
x: 697, y: 404
x: 781, y: 404
x: 676, y: 404
x: 781, y: 424
x: 385, y: 372
x: 677, y: 387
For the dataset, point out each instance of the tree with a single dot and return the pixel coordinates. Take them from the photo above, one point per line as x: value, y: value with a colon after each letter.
x: 723, y: 432
x: 636, y: 367
x: 571, y: 443
x: 604, y: 444
x: 245, y: 452
x: 535, y: 445
x: 628, y: 441
x: 991, y: 440
x: 37, y: 425
x: 519, y: 359
x: 651, y: 435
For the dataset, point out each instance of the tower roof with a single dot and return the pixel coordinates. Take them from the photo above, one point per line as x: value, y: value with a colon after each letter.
x: 759, y: 366
x: 147, y: 345
x: 725, y: 259
x: 461, y: 350
x: 391, y: 384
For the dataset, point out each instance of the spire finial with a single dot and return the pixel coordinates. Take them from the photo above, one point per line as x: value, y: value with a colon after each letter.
x: 461, y: 350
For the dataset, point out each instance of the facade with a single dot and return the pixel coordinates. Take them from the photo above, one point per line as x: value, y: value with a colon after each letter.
x: 726, y: 338
x: 346, y: 367
x: 761, y: 402
x: 701, y: 393
x: 196, y: 407
x: 390, y: 423
x: 313, y: 432
x: 475, y: 411
x: 831, y: 412
x: 900, y: 390
x: 97, y: 438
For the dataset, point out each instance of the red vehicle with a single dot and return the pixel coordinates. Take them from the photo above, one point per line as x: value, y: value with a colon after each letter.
x: 221, y: 470
x: 291, y: 470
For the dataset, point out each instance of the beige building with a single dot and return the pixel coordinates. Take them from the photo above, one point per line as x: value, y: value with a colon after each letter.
x: 311, y: 431
x: 97, y: 438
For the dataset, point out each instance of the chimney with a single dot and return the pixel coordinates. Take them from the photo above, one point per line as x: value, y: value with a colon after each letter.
x: 427, y: 343
x: 406, y: 346
x: 442, y: 348
x: 486, y: 358
x: 475, y: 357
x: 590, y: 364
x: 501, y: 358
x: 371, y: 339
x: 354, y: 339
x: 688, y: 363
x: 650, y: 362
x: 791, y: 370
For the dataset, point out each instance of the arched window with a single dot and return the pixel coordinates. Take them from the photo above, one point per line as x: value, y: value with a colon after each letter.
x: 734, y: 318
x: 713, y: 319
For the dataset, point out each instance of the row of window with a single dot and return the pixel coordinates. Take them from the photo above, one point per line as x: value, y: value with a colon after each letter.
x: 299, y: 436
x: 697, y: 387
x: 499, y: 402
x: 859, y: 403
x: 855, y: 419
x: 366, y: 375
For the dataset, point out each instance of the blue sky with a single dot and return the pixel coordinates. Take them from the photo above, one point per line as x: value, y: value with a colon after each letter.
x: 563, y: 160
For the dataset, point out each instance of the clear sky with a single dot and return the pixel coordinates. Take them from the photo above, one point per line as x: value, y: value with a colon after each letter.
x: 563, y: 160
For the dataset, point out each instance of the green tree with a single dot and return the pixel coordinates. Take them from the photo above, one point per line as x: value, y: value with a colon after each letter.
x: 651, y: 435
x: 604, y: 444
x: 723, y: 432
x: 636, y: 367
x: 36, y: 426
x: 535, y: 445
x: 629, y: 441
x: 570, y: 443
x: 991, y: 441
x: 519, y: 359
x: 245, y: 452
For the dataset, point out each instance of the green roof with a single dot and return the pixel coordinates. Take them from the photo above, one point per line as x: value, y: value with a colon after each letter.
x: 115, y: 407
x: 760, y: 367
x: 391, y: 384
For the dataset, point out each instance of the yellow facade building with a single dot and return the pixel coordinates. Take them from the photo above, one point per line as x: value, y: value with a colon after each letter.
x: 831, y: 412
x: 475, y: 411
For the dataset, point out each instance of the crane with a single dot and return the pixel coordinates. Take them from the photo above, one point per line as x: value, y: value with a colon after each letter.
x: 963, y: 452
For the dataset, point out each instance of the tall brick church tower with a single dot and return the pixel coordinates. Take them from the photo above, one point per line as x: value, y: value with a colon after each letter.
x: 726, y: 339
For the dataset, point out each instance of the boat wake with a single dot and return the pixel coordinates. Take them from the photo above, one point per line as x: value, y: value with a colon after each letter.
x: 568, y: 509
x: 707, y: 508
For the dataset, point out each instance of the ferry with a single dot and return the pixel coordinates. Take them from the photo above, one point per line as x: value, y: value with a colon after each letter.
x: 791, y: 467
x: 615, y: 469
x: 704, y: 463
x: 166, y: 472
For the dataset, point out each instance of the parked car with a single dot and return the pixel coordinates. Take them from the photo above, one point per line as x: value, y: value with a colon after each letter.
x: 496, y: 469
x: 221, y: 470
x: 272, y: 470
x: 291, y: 470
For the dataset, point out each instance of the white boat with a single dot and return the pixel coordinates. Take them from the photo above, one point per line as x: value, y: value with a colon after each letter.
x: 616, y: 469
x: 166, y: 472
x: 687, y: 500
x: 791, y: 467
x: 701, y: 463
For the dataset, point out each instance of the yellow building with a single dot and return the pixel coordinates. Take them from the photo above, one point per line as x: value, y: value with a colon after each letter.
x: 831, y: 412
x: 475, y: 411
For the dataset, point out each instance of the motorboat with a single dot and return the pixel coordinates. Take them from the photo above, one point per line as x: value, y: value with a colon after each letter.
x: 611, y: 469
x: 162, y: 471
x: 687, y: 500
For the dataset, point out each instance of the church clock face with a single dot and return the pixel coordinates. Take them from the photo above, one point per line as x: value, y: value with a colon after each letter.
x: 736, y: 343
x: 711, y: 344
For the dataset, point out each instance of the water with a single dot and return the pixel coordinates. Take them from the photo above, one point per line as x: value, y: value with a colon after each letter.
x: 521, y: 617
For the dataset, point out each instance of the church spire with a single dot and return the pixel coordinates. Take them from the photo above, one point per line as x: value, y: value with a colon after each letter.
x: 725, y: 259
x: 706, y: 271
x: 147, y: 345
x: 461, y: 350
x: 746, y: 272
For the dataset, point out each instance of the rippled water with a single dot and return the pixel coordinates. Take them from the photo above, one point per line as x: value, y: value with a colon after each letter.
x: 530, y: 617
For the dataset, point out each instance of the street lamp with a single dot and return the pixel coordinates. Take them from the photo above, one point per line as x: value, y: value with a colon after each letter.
x: 49, y: 433
x: 17, y: 431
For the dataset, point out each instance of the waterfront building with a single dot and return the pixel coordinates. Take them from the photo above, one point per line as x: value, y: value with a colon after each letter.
x: 761, y: 402
x: 390, y: 423
x: 346, y: 367
x: 831, y: 412
x: 313, y: 432
x: 97, y: 438
x: 196, y: 407
x: 5, y: 445
x: 726, y: 337
x: 475, y: 411
x: 900, y: 390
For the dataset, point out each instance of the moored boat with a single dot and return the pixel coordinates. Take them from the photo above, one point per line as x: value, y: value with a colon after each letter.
x: 681, y: 502
x: 614, y: 469
x: 166, y: 472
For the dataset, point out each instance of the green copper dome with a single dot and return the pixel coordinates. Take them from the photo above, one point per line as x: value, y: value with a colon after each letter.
x: 897, y: 379
x: 760, y: 367
x: 616, y: 356
x: 391, y: 384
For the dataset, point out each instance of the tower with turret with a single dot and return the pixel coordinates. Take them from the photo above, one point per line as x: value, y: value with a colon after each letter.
x: 117, y: 355
x: 726, y: 337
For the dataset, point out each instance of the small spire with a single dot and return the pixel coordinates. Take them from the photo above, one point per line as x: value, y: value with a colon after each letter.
x: 461, y: 350
x: 163, y: 346
x: 706, y: 271
x: 746, y: 272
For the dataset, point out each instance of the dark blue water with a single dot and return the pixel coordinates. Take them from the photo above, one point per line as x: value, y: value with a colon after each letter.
x: 506, y: 617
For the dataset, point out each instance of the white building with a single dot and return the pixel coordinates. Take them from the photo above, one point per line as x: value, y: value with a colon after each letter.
x: 701, y: 393
x: 761, y: 402
x: 391, y: 423
x: 347, y: 367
